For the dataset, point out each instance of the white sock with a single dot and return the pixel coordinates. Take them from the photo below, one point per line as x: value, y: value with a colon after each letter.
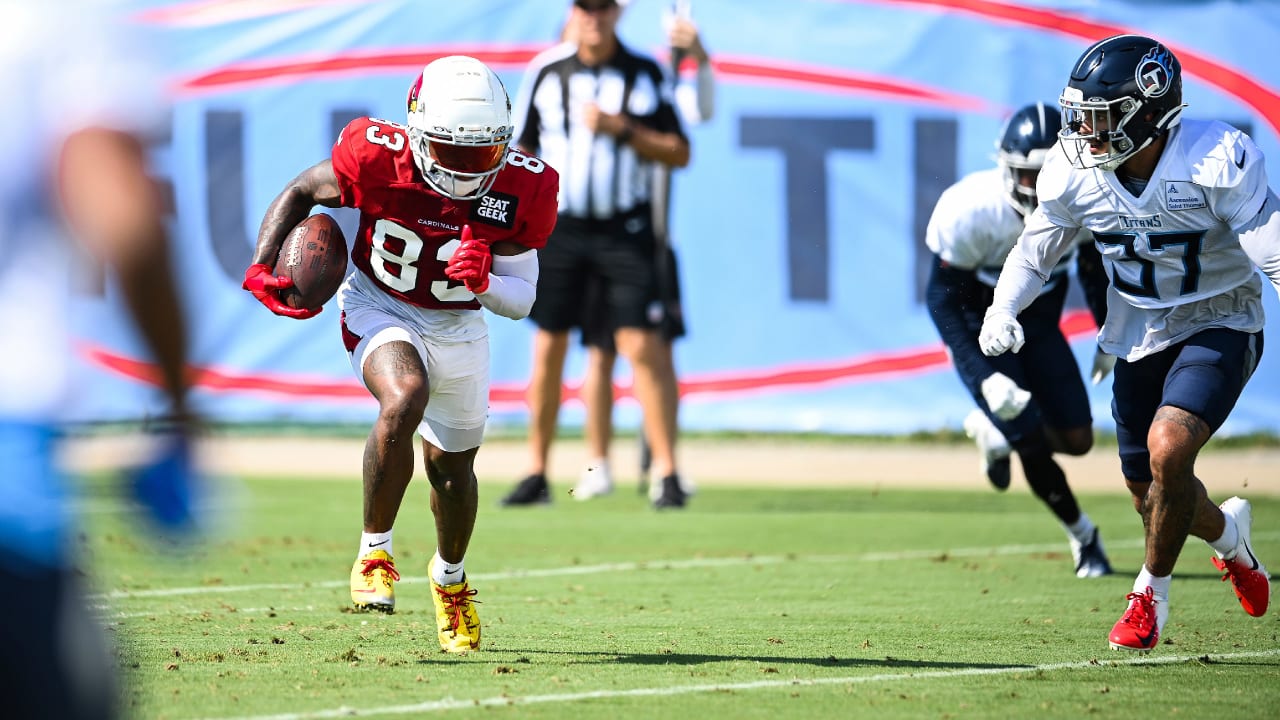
x: 1081, y: 529
x: 1225, y: 546
x: 375, y: 541
x: 1158, y: 584
x: 443, y: 573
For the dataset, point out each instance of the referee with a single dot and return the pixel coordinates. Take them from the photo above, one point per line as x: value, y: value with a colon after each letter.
x: 600, y: 114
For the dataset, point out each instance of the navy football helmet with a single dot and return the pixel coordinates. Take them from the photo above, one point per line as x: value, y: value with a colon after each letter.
x: 1024, y: 143
x: 1124, y: 93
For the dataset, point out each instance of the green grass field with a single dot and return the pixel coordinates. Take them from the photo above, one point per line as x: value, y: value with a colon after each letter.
x: 750, y: 604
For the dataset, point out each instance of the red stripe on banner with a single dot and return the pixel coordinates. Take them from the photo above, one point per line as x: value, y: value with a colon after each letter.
x: 241, y: 75
x: 1261, y: 98
x: 790, y: 74
x: 207, y: 378
x: 914, y: 361
x: 248, y: 74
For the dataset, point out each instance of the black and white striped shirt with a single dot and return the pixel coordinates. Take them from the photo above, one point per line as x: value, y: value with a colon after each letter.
x: 599, y: 177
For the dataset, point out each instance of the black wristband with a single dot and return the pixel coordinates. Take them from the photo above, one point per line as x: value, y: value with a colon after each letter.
x: 625, y: 135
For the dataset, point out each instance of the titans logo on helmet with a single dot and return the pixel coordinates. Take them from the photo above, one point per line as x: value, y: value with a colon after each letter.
x: 1153, y: 74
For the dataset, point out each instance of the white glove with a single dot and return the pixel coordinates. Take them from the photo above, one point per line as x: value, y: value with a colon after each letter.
x: 1102, y: 365
x: 1000, y: 332
x: 1005, y: 399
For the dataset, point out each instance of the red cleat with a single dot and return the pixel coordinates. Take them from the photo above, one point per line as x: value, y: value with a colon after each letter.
x: 1248, y: 577
x: 1139, y: 627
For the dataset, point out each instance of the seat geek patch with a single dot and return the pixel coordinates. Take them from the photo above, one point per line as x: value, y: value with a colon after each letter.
x: 496, y: 209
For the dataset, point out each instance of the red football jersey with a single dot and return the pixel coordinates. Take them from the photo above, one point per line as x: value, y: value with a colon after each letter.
x: 408, y: 231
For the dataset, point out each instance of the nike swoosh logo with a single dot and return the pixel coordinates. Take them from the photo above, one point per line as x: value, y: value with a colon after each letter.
x: 1251, y: 556
x: 384, y: 542
x: 1239, y: 159
x: 1146, y: 640
x: 366, y: 592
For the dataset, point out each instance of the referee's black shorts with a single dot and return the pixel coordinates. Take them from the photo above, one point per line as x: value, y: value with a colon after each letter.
x: 596, y: 331
x: 601, y: 272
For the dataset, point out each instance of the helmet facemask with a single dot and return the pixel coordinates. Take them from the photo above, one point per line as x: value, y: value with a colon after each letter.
x: 459, y: 126
x: 1095, y: 130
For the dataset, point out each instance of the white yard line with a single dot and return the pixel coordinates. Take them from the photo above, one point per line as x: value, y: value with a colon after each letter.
x: 201, y: 611
x: 691, y: 563
x: 505, y: 701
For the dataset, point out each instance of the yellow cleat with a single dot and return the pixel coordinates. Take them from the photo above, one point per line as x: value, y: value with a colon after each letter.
x: 457, y: 623
x: 372, y: 582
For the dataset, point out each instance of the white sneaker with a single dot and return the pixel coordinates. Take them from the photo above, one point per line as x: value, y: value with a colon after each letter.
x: 594, y: 482
x: 992, y: 445
x: 1091, y: 559
x: 1247, y: 574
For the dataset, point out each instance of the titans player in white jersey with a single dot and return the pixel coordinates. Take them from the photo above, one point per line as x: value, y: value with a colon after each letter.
x: 1183, y: 215
x: 1034, y: 402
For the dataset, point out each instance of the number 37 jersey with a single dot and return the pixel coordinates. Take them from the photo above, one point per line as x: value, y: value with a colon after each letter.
x: 1173, y: 253
x: 408, y: 232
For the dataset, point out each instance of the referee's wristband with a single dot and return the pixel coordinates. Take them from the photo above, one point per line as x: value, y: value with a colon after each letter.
x: 625, y: 135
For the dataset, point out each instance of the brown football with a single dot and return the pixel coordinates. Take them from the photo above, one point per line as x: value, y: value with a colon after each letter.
x: 314, y: 257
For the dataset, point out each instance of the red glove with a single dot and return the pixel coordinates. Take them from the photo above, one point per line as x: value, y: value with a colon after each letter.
x: 266, y: 287
x: 471, y: 262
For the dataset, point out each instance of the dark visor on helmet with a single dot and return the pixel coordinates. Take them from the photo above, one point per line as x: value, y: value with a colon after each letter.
x: 470, y: 159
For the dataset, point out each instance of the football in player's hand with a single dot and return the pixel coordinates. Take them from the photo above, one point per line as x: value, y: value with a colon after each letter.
x: 314, y: 257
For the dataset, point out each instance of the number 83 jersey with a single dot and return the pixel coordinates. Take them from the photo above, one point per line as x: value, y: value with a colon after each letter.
x: 1173, y: 252
x: 408, y: 232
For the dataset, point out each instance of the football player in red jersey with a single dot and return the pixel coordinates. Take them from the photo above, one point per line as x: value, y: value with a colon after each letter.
x: 450, y: 222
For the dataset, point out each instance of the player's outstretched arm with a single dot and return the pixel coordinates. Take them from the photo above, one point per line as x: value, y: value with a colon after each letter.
x: 114, y: 209
x: 1025, y: 271
x: 317, y: 185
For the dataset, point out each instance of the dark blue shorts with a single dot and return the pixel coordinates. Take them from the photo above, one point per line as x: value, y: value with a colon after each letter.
x: 1046, y: 367
x: 1203, y: 375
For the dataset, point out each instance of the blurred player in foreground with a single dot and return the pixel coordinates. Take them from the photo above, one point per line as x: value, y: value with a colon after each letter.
x: 1034, y: 401
x: 72, y: 168
x: 1182, y: 214
x: 450, y: 223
